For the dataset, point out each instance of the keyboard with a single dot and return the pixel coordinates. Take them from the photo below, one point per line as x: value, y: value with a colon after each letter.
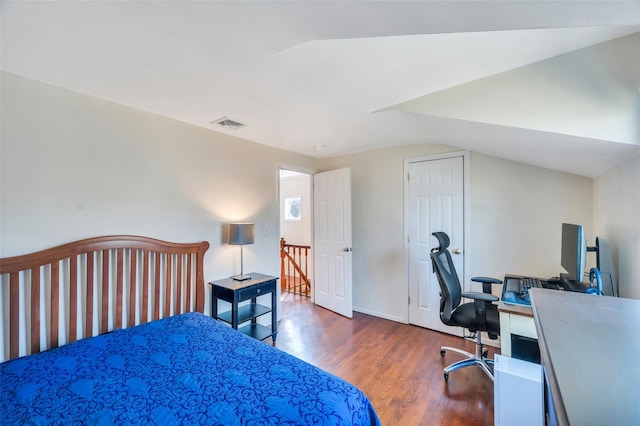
x: 515, y: 290
x: 528, y: 283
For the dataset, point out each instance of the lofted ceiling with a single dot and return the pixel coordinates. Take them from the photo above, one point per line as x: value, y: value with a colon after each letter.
x: 550, y: 83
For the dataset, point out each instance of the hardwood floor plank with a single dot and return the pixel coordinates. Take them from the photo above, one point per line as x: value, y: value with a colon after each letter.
x: 397, y: 365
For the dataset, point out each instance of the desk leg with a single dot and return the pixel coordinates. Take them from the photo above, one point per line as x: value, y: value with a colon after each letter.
x: 505, y: 334
x: 214, y: 305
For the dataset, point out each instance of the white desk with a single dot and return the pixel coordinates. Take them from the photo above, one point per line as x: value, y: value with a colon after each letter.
x: 514, y: 319
x: 589, y: 348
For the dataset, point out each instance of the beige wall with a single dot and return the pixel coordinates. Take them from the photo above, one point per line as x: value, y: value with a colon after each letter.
x: 515, y: 218
x: 617, y: 222
x: 296, y: 232
x: 377, y: 185
x: 74, y: 166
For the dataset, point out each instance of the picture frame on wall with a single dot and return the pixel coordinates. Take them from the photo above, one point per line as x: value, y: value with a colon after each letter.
x: 293, y: 209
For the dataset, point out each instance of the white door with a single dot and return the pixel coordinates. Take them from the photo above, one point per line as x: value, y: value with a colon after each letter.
x: 435, y: 203
x: 332, y: 240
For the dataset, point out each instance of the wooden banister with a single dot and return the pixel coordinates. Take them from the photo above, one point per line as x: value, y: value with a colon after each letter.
x: 294, y: 269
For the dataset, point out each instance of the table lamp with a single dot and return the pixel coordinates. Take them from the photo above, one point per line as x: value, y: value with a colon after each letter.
x: 241, y: 234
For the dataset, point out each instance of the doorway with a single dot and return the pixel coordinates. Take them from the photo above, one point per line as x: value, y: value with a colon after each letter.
x: 296, y: 224
x: 315, y: 210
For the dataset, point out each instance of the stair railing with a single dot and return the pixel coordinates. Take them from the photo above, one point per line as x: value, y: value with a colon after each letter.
x: 294, y: 268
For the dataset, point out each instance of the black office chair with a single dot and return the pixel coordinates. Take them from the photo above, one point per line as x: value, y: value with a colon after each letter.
x: 477, y: 316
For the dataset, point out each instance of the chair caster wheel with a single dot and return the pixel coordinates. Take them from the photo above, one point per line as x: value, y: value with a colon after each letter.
x: 442, y: 353
x: 446, y: 377
x: 485, y: 353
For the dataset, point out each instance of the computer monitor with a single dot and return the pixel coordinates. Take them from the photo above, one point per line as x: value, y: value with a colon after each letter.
x: 574, y: 251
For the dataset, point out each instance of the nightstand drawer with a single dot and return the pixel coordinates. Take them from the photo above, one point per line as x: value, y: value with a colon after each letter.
x: 252, y: 292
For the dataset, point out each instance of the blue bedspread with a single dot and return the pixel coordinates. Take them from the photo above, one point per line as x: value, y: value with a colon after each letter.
x: 187, y: 369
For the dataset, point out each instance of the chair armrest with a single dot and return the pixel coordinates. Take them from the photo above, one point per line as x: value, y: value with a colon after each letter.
x: 480, y: 296
x: 486, y: 283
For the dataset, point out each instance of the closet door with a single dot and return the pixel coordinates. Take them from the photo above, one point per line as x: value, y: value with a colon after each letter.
x: 435, y: 203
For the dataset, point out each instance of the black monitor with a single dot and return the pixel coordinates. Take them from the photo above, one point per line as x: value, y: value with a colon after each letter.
x: 574, y: 251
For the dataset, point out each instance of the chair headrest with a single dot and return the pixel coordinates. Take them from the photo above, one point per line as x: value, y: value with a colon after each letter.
x: 443, y: 240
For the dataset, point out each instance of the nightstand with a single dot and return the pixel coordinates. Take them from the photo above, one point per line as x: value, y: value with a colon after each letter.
x: 235, y: 292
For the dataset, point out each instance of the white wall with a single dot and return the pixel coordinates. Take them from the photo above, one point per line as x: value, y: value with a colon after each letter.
x: 74, y: 166
x: 617, y: 221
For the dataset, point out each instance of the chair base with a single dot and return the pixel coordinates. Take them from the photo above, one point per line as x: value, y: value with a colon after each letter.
x: 479, y: 358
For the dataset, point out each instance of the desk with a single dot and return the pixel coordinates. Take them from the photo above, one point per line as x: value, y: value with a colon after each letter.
x: 589, y: 348
x: 234, y: 292
x: 514, y: 320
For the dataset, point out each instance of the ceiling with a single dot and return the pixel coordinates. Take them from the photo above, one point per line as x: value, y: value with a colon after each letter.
x: 550, y: 83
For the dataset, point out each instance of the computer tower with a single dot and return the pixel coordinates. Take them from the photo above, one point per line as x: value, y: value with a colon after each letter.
x: 518, y: 392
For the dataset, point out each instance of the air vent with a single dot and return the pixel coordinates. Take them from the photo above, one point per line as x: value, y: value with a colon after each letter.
x: 227, y: 123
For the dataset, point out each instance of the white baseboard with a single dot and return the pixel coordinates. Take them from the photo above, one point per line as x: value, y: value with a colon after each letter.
x: 380, y: 315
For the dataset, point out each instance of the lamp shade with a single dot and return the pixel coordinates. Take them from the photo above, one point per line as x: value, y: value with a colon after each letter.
x: 241, y: 233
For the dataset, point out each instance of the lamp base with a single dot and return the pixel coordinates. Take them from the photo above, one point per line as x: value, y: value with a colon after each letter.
x: 241, y: 277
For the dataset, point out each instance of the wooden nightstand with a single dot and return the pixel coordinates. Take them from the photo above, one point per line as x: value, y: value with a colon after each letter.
x: 234, y: 292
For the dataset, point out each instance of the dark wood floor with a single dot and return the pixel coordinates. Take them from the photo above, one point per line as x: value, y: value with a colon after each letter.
x: 397, y: 365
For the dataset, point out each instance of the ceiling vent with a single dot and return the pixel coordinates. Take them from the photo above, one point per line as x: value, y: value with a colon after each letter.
x: 227, y: 123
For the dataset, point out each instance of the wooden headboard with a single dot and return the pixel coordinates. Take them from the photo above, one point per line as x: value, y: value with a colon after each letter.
x: 128, y: 279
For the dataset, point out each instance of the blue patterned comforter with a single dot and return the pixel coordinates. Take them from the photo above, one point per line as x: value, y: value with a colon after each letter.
x: 187, y: 369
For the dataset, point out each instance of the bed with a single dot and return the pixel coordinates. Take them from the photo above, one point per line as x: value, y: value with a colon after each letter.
x: 142, y: 351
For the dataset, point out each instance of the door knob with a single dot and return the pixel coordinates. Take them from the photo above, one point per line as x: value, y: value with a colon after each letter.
x: 347, y: 249
x: 456, y: 251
